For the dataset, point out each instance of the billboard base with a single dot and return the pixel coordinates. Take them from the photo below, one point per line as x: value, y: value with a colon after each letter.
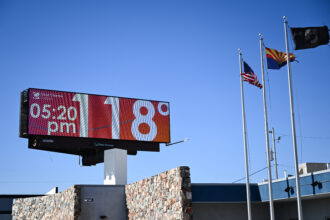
x: 115, y: 167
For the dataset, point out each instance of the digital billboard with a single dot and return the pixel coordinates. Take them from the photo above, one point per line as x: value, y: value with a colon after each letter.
x: 69, y: 114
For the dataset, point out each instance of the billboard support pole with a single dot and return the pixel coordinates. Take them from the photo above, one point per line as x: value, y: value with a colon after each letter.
x: 115, y: 167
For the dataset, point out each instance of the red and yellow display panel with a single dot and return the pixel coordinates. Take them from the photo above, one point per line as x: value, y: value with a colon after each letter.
x: 70, y: 114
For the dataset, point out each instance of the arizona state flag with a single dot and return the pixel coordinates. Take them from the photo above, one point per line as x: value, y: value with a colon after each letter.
x: 310, y: 37
x: 276, y: 59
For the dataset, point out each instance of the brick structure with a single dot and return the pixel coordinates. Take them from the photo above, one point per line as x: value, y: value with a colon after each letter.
x: 164, y: 196
x: 64, y: 205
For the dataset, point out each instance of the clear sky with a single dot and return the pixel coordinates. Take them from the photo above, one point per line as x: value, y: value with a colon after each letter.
x: 181, y: 51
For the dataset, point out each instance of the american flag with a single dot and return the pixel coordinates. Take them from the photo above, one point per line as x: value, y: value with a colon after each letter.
x: 249, y: 76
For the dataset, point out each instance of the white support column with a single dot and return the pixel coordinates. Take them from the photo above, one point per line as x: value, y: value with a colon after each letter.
x: 115, y: 167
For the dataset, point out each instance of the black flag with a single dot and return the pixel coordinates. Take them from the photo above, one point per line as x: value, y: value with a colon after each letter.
x: 310, y: 37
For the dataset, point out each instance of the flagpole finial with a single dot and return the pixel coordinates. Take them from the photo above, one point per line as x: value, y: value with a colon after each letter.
x: 239, y: 50
x: 260, y: 36
x: 284, y: 18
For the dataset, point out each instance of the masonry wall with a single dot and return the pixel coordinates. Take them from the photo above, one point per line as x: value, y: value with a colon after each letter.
x: 163, y: 196
x: 64, y: 205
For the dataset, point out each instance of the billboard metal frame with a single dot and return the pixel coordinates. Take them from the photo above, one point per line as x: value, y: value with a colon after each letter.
x: 91, y: 149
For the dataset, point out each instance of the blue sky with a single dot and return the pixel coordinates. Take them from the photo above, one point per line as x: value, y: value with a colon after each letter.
x: 184, y: 52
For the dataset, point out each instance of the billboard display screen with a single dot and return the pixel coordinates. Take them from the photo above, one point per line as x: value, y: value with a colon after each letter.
x: 56, y: 113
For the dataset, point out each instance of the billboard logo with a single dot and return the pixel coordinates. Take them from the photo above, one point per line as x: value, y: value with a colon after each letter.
x: 36, y: 95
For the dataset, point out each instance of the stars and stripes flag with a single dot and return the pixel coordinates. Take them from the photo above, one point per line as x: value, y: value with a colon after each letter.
x: 249, y: 76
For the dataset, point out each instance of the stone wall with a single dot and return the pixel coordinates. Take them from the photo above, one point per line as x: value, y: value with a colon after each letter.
x: 64, y: 205
x: 164, y: 196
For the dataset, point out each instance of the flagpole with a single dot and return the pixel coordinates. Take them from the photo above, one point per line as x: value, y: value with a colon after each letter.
x: 244, y: 140
x: 300, y: 216
x: 270, y: 182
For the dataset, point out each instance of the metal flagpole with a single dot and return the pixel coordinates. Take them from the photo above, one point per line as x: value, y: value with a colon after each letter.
x: 274, y: 147
x: 300, y: 216
x: 244, y: 140
x: 270, y: 182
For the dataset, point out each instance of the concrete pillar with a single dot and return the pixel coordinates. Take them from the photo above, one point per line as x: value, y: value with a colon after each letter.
x: 115, y: 167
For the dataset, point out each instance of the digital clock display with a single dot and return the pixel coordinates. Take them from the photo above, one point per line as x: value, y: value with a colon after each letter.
x: 56, y: 113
